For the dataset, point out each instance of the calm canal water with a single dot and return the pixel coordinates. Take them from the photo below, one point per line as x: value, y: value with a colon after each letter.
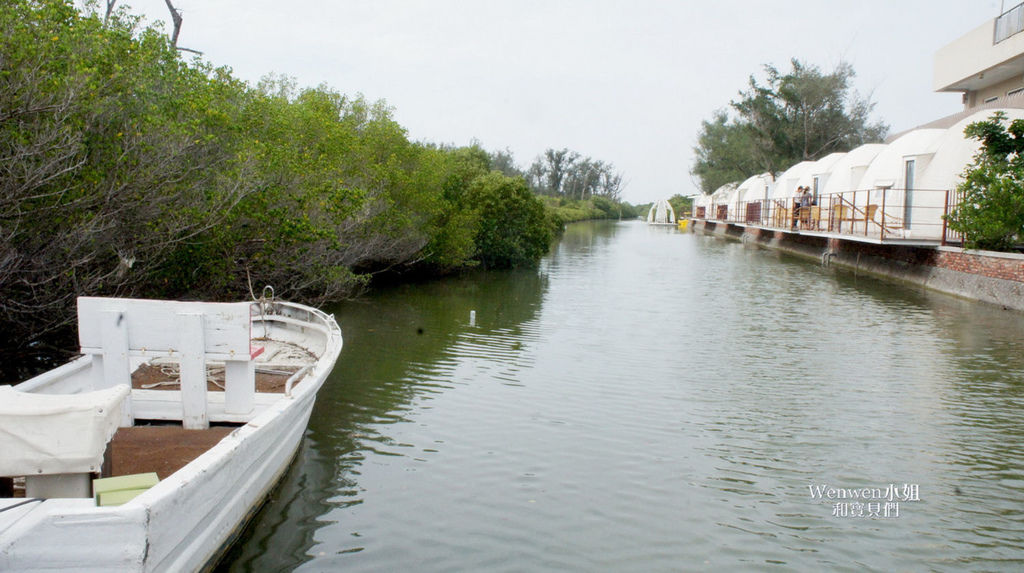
x: 651, y: 400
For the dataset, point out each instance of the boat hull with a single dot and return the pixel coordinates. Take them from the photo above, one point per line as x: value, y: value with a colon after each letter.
x: 185, y: 522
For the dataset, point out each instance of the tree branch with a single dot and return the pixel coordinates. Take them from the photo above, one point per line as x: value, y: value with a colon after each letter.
x: 176, y: 18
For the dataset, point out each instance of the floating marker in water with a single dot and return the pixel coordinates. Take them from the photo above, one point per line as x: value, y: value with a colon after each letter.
x: 472, y: 318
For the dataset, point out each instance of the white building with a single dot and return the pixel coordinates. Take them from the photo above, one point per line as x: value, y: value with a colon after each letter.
x: 987, y: 63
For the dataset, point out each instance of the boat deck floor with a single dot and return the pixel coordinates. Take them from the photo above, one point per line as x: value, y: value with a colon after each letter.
x: 160, y: 449
x: 166, y: 377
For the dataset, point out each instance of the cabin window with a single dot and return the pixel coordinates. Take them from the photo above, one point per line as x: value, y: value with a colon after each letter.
x: 1014, y: 92
x: 991, y: 99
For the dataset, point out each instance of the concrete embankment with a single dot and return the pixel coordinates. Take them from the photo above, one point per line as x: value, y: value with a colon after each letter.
x: 996, y: 278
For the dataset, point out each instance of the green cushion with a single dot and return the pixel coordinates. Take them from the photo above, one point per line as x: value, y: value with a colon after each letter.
x: 122, y: 488
x: 111, y: 498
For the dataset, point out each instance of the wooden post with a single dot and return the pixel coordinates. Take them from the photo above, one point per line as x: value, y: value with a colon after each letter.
x: 839, y: 214
x: 193, y: 371
x: 48, y: 486
x: 114, y: 367
x: 945, y: 213
x: 881, y: 216
x: 867, y: 199
x: 114, y: 339
x: 239, y: 386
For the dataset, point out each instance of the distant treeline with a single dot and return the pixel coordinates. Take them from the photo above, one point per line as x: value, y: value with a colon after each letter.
x: 126, y: 170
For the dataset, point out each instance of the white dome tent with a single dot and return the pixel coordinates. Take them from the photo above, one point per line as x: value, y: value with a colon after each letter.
x: 884, y: 182
x: 786, y: 184
x: 755, y: 188
x: 661, y: 213
x: 948, y: 156
x: 846, y: 173
x: 701, y: 201
x: 724, y: 202
x: 753, y: 191
x: 898, y: 191
x: 780, y: 204
x: 816, y: 176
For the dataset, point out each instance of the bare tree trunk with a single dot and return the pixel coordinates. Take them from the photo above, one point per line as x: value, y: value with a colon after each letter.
x: 110, y: 8
x: 176, y: 18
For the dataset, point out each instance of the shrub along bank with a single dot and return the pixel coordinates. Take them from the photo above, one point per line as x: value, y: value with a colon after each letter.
x: 126, y: 170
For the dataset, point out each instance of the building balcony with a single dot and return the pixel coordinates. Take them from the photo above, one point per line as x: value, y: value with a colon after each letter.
x: 987, y: 63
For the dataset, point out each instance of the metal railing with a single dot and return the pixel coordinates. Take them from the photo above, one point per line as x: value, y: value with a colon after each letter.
x: 953, y: 198
x: 1009, y: 23
x: 894, y: 215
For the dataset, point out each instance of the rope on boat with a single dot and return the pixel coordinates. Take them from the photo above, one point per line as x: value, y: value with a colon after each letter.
x: 173, y: 371
x: 213, y: 375
x: 264, y: 302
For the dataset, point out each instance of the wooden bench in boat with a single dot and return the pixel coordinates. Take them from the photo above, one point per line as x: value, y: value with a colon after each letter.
x: 114, y: 331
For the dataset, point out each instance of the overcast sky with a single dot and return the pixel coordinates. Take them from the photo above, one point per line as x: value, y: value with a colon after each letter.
x: 624, y: 81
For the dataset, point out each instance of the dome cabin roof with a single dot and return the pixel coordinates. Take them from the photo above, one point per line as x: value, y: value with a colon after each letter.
x: 790, y: 179
x: 724, y: 194
x: 820, y: 169
x: 846, y: 173
x: 755, y: 188
x: 954, y: 151
x: 887, y: 168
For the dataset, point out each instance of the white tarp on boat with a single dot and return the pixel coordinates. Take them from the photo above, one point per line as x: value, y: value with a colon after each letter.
x: 57, y: 433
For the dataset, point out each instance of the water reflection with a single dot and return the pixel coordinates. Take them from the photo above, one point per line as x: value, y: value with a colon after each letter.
x: 655, y: 401
x: 402, y: 346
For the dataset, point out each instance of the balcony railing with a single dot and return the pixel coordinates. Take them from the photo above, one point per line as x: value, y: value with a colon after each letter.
x: 893, y: 215
x: 1009, y: 23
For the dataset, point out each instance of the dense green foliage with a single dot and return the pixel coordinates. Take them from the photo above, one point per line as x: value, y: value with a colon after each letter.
x: 681, y: 204
x: 126, y: 170
x: 725, y: 152
x: 990, y: 214
x: 568, y: 210
x: 800, y: 115
x: 514, y: 229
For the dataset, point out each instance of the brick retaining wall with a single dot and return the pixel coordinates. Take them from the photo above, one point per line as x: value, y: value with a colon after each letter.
x: 1006, y: 268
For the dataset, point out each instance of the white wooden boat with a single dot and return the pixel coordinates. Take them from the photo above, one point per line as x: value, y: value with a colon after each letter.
x: 60, y: 430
